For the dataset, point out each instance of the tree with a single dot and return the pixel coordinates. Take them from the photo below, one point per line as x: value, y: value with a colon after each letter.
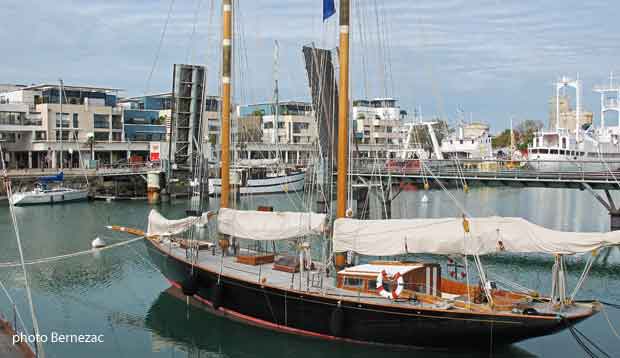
x: 527, y: 130
x: 502, y: 140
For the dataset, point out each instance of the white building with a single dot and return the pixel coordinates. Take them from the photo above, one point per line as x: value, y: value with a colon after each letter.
x: 378, y: 121
x: 35, y: 132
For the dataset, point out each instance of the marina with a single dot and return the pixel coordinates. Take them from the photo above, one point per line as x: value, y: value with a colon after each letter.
x: 267, y: 190
x: 73, y: 294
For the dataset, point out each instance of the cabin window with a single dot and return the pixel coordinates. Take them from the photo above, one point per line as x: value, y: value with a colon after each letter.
x: 461, y: 141
x: 562, y: 151
x: 554, y: 151
x: 353, y: 282
x: 563, y: 142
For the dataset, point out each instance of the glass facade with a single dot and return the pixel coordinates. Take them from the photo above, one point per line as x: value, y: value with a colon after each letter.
x: 101, y: 121
x: 51, y: 95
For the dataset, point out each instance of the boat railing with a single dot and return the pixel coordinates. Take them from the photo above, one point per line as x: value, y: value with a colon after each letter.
x: 15, y: 322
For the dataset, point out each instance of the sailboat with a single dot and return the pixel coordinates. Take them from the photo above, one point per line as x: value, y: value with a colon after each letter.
x: 392, y: 303
x: 268, y: 175
x: 43, y: 193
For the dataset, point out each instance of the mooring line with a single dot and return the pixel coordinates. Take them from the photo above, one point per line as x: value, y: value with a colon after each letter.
x: 75, y: 254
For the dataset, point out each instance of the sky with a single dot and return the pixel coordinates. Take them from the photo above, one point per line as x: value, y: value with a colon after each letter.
x: 493, y: 59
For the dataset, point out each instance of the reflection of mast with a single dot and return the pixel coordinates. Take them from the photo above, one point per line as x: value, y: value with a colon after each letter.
x: 61, y: 90
x: 226, y: 71
x: 512, y: 139
x: 343, y: 110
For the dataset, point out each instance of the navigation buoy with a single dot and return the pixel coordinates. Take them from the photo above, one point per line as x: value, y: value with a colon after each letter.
x: 98, y: 243
x: 424, y: 199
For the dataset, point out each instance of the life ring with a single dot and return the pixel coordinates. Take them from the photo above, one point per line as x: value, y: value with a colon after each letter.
x: 396, y: 291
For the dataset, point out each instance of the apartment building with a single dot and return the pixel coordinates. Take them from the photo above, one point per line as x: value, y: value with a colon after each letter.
x: 296, y: 123
x: 37, y: 135
x: 377, y: 121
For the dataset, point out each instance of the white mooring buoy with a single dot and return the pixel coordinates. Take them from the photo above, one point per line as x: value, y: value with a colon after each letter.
x: 424, y: 199
x: 98, y: 243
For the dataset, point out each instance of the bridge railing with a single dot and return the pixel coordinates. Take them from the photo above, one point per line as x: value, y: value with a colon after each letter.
x: 135, y: 167
x: 574, y: 169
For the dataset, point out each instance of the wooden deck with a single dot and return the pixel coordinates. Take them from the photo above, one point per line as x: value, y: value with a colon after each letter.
x: 303, y: 283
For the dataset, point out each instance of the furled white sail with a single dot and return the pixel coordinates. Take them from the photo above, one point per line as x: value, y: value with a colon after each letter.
x: 447, y: 236
x: 159, y: 225
x: 266, y: 225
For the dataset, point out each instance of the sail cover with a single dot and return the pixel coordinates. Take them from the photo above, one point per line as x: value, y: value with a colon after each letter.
x: 447, y: 236
x: 159, y: 225
x: 265, y: 225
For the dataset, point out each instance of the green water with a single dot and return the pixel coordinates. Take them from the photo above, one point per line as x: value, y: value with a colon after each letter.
x: 119, y: 294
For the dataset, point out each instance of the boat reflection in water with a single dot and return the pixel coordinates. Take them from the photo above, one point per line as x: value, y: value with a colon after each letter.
x: 194, y: 328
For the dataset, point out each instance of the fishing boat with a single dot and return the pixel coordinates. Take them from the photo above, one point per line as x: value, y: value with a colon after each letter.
x: 242, y: 273
x: 44, y: 194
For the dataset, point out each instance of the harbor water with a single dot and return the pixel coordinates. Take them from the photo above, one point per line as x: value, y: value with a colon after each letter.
x: 119, y: 294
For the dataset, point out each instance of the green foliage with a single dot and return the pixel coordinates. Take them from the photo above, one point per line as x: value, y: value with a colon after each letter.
x: 524, y: 134
x: 502, y: 140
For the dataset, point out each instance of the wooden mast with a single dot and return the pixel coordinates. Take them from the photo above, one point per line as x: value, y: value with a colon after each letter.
x: 343, y: 110
x: 226, y: 75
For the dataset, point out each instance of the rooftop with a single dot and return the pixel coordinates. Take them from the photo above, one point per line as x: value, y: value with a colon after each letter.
x: 44, y: 86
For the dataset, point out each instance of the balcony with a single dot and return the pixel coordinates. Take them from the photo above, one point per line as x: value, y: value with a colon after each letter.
x: 20, y: 121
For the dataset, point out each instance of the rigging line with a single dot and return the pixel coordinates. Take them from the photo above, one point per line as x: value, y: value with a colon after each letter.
x: 7, y: 183
x: 190, y: 48
x: 159, y: 46
x: 75, y: 254
x: 583, y: 276
x: 583, y: 346
x: 590, y: 341
x: 610, y: 304
x: 611, y: 326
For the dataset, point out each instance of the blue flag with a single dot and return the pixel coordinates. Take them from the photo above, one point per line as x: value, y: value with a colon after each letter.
x: 328, y: 9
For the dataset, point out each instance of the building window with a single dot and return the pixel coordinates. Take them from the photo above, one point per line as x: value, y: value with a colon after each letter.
x: 102, y: 136
x: 76, y: 123
x: 117, y: 123
x: 65, y: 120
x: 280, y: 125
x: 116, y: 136
x: 268, y: 125
x: 65, y: 135
x: 101, y: 121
